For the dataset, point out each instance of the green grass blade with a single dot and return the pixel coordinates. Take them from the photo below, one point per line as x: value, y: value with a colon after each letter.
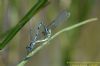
x: 40, y: 4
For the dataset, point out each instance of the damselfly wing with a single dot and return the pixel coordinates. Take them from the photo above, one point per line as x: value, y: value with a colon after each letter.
x: 43, y: 32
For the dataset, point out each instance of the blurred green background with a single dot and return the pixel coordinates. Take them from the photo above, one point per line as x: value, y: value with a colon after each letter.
x: 81, y: 44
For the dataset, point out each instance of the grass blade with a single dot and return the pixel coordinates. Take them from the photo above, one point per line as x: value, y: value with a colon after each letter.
x: 40, y: 4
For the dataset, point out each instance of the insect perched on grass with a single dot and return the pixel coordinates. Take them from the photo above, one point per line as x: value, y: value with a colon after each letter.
x: 43, y: 32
